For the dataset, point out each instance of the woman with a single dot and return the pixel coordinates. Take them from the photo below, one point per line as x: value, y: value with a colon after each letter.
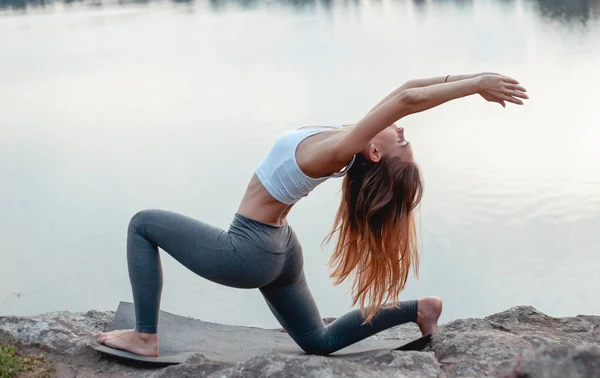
x: 376, y: 240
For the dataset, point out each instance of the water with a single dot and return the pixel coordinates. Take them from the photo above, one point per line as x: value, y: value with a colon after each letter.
x: 109, y: 108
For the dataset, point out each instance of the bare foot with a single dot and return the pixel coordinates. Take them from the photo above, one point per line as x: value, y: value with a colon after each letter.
x: 428, y: 313
x: 144, y: 344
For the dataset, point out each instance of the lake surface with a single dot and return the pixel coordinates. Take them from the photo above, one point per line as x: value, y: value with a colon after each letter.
x: 110, y: 108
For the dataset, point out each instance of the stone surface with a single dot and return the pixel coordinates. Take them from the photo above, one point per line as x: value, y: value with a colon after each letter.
x: 64, y: 332
x: 478, y: 347
x: 557, y: 362
x: 519, y: 342
x: 390, y: 364
x: 376, y: 364
x: 195, y: 366
x: 403, y: 364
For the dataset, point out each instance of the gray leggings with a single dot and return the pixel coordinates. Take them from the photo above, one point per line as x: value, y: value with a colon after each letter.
x: 249, y: 255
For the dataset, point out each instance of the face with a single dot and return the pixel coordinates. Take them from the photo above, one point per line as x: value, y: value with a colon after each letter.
x: 390, y: 142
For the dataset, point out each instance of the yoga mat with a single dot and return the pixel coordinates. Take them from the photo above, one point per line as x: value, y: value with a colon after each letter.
x: 181, y: 337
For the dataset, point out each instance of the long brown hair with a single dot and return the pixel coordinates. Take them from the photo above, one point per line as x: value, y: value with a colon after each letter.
x: 377, y: 241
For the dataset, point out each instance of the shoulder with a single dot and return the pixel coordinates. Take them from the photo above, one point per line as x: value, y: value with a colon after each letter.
x: 318, y: 157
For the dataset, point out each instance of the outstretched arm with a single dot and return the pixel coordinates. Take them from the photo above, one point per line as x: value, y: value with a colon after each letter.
x: 494, y: 88
x: 418, y: 83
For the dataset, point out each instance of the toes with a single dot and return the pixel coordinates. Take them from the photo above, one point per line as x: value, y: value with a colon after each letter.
x: 105, y: 336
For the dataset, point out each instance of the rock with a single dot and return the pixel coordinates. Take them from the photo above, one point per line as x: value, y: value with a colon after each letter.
x: 64, y: 332
x: 195, y: 366
x: 294, y: 366
x: 401, y: 364
x: 480, y: 347
x: 372, y: 364
x: 473, y: 348
x: 538, y: 327
x: 558, y: 362
x: 519, y: 342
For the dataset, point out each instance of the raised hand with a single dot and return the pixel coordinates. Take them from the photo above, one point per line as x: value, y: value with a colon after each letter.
x: 501, y: 89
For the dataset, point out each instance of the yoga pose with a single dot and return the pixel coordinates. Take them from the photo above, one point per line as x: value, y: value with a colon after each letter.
x: 374, y: 228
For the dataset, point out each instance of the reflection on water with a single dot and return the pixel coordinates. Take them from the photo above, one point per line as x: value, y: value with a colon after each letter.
x: 24, y: 4
x: 569, y: 10
x: 214, y: 4
x: 560, y: 10
x: 108, y: 110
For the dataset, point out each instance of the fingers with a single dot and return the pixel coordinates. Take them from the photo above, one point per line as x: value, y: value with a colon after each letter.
x: 510, y: 80
x: 508, y: 98
x: 517, y: 94
x: 514, y: 87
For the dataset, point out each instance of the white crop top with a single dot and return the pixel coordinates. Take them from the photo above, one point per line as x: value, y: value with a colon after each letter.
x: 280, y: 174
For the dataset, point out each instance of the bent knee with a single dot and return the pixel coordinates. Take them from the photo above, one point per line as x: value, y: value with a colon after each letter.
x: 316, y: 347
x: 140, y: 218
x: 317, y: 350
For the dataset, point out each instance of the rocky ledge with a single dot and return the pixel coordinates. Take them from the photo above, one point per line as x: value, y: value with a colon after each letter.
x: 519, y: 342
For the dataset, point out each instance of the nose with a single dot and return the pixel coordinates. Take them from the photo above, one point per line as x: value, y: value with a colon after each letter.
x: 400, y: 131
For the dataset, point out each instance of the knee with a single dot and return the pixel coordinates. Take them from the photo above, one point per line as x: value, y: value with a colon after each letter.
x: 316, y: 350
x: 315, y: 346
x: 140, y: 218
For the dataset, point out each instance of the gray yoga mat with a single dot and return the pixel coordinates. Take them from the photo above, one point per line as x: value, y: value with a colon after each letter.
x: 181, y: 337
